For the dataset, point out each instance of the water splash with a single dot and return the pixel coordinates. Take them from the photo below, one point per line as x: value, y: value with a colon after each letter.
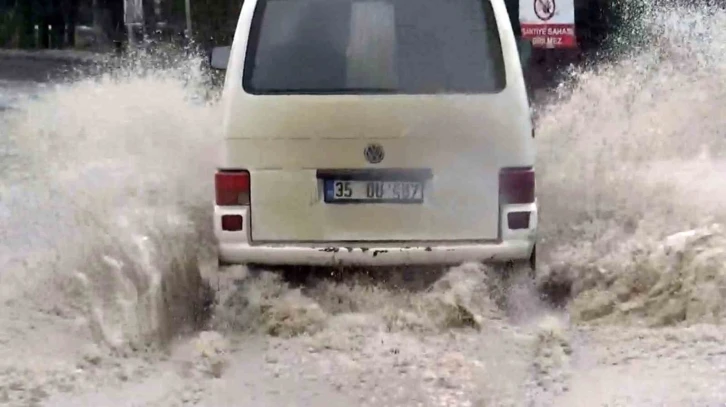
x: 115, y: 183
x: 111, y: 196
x: 631, y: 153
x: 106, y: 234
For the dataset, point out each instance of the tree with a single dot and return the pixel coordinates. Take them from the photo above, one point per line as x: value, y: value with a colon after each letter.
x: 70, y: 11
x: 26, y: 26
x: 214, y: 21
x: 108, y: 19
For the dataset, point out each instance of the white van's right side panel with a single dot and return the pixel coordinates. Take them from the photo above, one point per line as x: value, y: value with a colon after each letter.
x: 515, y: 79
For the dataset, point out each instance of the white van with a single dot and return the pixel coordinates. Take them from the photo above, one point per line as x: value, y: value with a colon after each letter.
x: 374, y: 132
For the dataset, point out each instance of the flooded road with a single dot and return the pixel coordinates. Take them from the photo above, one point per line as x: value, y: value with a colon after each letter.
x: 110, y: 295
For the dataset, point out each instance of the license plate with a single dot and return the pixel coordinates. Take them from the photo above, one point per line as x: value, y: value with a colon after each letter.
x: 357, y: 191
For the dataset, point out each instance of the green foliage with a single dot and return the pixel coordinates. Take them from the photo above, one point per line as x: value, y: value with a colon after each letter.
x: 9, y: 25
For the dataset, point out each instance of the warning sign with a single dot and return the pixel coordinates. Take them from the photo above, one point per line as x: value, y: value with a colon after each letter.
x: 548, y: 23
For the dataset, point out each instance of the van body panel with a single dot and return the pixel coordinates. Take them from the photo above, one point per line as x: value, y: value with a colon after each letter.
x: 464, y: 140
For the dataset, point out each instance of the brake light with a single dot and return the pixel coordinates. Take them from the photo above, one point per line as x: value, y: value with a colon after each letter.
x: 232, y: 188
x: 517, y: 185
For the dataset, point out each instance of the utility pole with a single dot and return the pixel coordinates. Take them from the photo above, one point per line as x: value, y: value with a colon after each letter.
x: 188, y: 9
x: 133, y: 18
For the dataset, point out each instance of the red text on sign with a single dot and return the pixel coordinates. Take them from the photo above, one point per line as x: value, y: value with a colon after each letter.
x: 550, y: 35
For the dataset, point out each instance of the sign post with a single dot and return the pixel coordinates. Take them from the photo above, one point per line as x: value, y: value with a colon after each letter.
x: 188, y: 11
x: 548, y: 23
x: 133, y: 17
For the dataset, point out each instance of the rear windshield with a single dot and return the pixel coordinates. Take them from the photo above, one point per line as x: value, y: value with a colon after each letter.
x: 374, y: 46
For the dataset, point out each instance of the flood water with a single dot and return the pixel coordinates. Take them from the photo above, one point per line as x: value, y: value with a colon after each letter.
x: 107, y: 259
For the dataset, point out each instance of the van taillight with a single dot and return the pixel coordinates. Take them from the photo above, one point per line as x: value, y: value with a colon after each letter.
x: 232, y: 188
x: 516, y: 185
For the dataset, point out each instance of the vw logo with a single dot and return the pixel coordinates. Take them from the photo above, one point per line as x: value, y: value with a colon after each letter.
x: 374, y: 153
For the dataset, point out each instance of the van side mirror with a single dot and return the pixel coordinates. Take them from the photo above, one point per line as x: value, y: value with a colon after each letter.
x: 220, y: 57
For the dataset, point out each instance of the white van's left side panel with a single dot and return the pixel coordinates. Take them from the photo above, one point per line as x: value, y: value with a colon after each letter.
x: 233, y: 75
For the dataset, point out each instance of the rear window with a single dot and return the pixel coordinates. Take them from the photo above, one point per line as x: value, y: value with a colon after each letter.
x: 373, y: 46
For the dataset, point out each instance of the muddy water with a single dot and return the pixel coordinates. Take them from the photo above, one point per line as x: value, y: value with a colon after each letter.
x: 105, y: 211
x: 639, y: 147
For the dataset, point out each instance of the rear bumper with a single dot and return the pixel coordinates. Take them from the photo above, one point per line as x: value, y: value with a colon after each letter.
x: 374, y: 256
x: 234, y: 248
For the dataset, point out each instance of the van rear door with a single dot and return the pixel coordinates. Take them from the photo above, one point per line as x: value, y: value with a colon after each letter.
x: 382, y: 120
